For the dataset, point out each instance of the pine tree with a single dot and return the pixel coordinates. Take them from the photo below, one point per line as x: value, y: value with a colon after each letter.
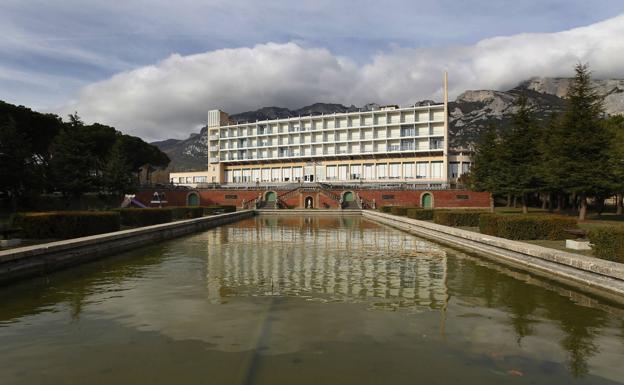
x: 73, y: 164
x: 117, y: 171
x: 15, y: 164
x: 615, y: 125
x: 583, y: 156
x: 519, y: 155
x: 485, y: 172
x: 551, y: 158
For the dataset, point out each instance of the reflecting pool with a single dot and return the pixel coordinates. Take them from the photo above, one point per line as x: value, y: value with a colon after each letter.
x: 313, y: 300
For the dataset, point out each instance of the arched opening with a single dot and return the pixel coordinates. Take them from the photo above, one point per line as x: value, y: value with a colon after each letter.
x: 426, y: 201
x: 270, y: 196
x: 309, y: 203
x: 347, y: 196
x: 192, y: 199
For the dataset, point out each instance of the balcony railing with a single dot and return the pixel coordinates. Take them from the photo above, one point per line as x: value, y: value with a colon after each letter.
x: 213, y: 137
x: 214, y: 160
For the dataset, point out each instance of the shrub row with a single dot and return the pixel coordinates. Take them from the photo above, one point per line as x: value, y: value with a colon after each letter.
x: 420, y: 214
x: 386, y: 209
x: 608, y: 242
x: 551, y: 227
x: 210, y: 210
x: 66, y: 224
x: 398, y: 210
x: 185, y: 212
x: 457, y: 217
x: 145, y: 217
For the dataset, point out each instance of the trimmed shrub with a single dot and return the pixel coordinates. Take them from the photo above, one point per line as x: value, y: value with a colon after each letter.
x: 186, y: 212
x: 398, y: 210
x: 211, y: 210
x: 552, y: 227
x: 66, y: 224
x: 457, y: 217
x: 420, y: 214
x: 386, y: 209
x: 228, y: 208
x: 145, y: 217
x: 608, y: 242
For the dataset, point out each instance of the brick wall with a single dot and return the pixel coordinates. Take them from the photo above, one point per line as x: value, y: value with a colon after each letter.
x: 411, y: 198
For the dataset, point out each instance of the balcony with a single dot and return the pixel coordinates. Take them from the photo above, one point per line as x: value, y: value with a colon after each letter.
x: 214, y: 160
x: 214, y: 148
x: 213, y: 137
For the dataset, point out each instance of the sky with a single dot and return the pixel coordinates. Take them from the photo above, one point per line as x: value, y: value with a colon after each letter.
x: 153, y: 68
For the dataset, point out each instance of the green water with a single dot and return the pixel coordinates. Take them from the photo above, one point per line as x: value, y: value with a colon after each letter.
x: 304, y: 301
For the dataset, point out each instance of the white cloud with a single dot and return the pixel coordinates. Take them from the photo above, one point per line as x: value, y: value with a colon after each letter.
x: 169, y: 98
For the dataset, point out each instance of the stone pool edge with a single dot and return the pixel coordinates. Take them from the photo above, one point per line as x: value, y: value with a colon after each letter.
x: 30, y: 261
x: 600, y: 277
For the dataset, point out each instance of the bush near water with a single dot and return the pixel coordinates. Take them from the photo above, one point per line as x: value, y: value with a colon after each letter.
x: 145, y: 217
x: 526, y: 227
x: 420, y: 214
x: 66, y: 224
x: 608, y: 242
x: 467, y: 218
x: 398, y: 210
x: 185, y: 212
x: 211, y: 210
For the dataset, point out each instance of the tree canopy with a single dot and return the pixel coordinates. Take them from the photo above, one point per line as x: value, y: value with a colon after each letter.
x: 579, y: 152
x: 41, y: 153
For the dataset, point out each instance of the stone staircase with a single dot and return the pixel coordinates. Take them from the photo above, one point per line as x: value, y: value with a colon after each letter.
x: 352, y: 205
x: 264, y: 205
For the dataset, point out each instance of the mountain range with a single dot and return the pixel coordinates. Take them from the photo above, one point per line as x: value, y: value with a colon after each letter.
x: 469, y: 114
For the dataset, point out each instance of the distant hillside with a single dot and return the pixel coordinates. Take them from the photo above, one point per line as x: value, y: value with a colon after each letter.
x: 469, y: 114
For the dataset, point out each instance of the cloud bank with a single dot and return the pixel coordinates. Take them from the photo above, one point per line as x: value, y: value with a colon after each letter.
x: 170, y: 98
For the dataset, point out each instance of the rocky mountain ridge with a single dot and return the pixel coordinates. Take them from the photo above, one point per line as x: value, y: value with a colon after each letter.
x: 469, y: 114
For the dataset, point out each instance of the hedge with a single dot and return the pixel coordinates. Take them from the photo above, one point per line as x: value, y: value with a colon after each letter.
x: 66, y: 224
x: 186, y: 212
x: 457, y: 217
x: 608, y: 242
x: 386, y: 209
x: 420, y: 214
x: 398, y: 210
x: 552, y: 227
x: 210, y: 210
x: 145, y: 217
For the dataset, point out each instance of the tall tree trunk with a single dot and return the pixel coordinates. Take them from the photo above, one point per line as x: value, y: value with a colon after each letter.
x: 582, y: 207
x: 551, y: 202
x: 559, y: 202
x: 525, y: 207
x: 544, y: 201
x: 600, y: 205
x: 508, y: 200
x: 619, y: 206
x: 515, y: 202
x: 491, y: 202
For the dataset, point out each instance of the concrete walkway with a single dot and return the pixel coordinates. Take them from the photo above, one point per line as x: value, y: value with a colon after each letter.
x: 593, y: 275
x: 41, y: 259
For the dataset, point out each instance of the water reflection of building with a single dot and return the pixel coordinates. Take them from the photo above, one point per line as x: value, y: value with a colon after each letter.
x: 332, y: 258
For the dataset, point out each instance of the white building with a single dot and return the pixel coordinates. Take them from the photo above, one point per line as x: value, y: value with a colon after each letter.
x: 391, y: 144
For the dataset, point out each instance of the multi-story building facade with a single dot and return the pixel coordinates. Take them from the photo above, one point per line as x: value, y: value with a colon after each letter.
x: 390, y: 144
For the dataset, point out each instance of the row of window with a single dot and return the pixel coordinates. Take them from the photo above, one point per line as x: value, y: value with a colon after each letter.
x: 244, y: 143
x: 189, y: 179
x: 379, y: 171
x: 353, y: 122
x: 338, y: 149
